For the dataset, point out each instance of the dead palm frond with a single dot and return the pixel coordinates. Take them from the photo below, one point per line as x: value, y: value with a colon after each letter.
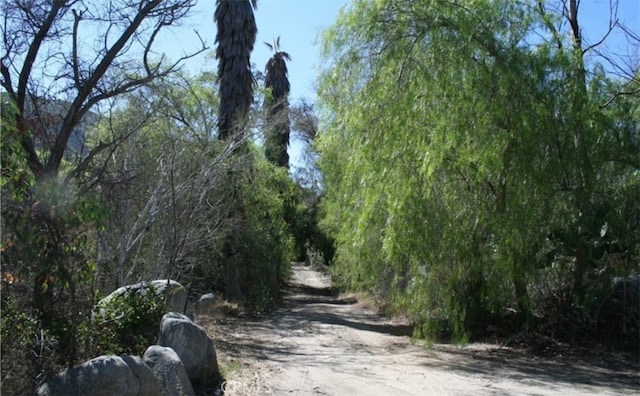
x: 236, y: 37
x: 277, y: 105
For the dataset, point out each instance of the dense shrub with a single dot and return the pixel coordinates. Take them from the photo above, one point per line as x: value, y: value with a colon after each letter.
x: 29, y: 352
x: 127, y: 324
x: 262, y: 238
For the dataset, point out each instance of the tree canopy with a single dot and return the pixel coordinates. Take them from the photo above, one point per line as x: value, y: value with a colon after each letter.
x: 472, y: 158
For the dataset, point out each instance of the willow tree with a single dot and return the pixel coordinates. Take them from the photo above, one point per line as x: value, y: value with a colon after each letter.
x: 235, y: 38
x: 276, y: 105
x: 450, y: 155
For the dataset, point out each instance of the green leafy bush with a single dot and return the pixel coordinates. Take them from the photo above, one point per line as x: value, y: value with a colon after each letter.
x: 127, y: 324
x: 259, y: 244
x: 265, y: 238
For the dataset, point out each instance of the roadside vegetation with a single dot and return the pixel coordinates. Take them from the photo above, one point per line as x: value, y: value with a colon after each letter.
x: 478, y: 170
x: 482, y: 167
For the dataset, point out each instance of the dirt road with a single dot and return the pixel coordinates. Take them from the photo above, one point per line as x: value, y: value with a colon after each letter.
x: 318, y: 344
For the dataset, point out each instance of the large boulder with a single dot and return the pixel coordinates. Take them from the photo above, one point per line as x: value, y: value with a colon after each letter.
x: 193, y: 346
x: 168, y: 368
x: 173, y: 291
x: 104, y: 376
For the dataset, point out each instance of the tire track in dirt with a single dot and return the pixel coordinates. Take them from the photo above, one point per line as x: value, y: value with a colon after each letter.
x: 320, y: 344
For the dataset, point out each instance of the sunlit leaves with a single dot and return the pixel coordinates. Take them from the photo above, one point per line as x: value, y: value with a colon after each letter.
x: 458, y: 136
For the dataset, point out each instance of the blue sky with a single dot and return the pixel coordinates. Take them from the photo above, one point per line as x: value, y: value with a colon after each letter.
x: 299, y: 22
x: 296, y: 22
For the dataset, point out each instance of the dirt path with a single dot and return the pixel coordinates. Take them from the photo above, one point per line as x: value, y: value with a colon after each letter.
x: 317, y: 344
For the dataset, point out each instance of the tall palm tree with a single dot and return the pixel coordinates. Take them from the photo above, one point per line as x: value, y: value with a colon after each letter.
x: 276, y: 104
x: 236, y: 36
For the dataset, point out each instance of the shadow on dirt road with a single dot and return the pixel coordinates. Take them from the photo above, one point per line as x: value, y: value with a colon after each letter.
x: 321, y: 344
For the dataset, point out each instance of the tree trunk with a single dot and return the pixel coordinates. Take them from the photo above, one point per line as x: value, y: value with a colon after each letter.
x: 580, y: 269
x: 233, y: 292
x: 580, y: 129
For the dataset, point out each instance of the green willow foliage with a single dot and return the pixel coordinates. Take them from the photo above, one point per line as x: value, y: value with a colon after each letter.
x: 454, y: 146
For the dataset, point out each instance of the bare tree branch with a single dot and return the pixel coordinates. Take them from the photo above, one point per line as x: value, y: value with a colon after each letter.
x: 74, y: 57
x: 88, y: 75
